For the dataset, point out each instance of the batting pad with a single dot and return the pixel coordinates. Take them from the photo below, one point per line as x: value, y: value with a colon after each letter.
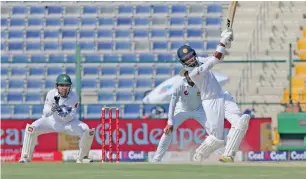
x: 29, y: 142
x: 236, y: 135
x: 85, y: 143
x: 210, y: 144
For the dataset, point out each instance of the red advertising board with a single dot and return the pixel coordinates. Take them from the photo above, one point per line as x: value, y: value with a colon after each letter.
x: 12, y: 132
x: 37, y: 157
x: 136, y: 135
x: 144, y: 135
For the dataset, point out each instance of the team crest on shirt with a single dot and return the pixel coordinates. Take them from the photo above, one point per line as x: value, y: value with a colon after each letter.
x: 30, y: 129
x: 91, y: 133
x: 186, y: 92
x: 199, y: 70
x: 198, y: 93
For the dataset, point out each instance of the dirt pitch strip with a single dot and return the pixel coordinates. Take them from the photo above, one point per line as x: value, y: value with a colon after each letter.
x: 240, y: 170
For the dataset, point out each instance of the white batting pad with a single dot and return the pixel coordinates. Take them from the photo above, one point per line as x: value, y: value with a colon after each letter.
x: 236, y: 135
x: 210, y: 144
x: 29, y: 142
x: 85, y: 143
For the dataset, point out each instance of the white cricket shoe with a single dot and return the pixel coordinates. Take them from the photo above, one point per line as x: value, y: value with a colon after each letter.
x: 155, y: 161
x: 23, y: 160
x: 85, y: 160
x: 197, y: 157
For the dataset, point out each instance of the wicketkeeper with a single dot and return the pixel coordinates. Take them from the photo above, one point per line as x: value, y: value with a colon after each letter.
x: 59, y: 115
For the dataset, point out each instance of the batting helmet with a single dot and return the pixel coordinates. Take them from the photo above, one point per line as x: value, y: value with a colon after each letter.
x: 184, y: 53
x: 63, y: 79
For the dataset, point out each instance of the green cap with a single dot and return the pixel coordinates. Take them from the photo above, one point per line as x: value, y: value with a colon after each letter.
x: 63, y: 79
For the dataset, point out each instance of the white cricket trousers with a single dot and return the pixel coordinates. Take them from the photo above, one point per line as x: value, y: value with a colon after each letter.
x: 179, y: 117
x: 47, y: 125
x: 216, y: 110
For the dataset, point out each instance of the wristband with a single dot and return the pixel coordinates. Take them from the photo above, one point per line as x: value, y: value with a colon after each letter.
x: 220, y: 49
x: 169, y: 122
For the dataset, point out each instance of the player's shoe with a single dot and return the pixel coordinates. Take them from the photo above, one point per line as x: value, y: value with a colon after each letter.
x: 23, y: 160
x: 85, y: 160
x: 197, y: 157
x: 226, y: 159
x: 154, y: 160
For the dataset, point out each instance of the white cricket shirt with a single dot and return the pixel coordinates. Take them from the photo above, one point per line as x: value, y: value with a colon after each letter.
x: 204, y: 79
x: 184, y: 98
x: 72, y: 100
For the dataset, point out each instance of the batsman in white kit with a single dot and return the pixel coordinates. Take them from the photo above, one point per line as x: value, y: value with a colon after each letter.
x: 217, y: 104
x: 59, y: 115
x: 185, y: 103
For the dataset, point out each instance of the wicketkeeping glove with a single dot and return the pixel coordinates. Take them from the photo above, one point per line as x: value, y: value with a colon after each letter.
x: 63, y: 114
x: 64, y: 110
x: 55, y: 107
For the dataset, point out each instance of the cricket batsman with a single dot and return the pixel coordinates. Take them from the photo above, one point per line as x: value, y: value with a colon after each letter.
x: 185, y: 103
x: 216, y: 103
x: 59, y: 115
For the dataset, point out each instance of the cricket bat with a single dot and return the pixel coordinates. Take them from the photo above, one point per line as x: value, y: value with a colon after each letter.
x: 231, y: 14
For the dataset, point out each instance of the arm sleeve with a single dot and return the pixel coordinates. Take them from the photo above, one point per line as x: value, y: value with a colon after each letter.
x: 173, y: 101
x: 206, y: 66
x: 202, y: 60
x: 48, y: 105
x: 74, y: 110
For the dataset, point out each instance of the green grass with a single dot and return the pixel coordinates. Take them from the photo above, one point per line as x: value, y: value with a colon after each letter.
x: 150, y: 171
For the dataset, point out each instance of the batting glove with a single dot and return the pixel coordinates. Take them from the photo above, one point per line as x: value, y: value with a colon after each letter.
x: 227, y: 37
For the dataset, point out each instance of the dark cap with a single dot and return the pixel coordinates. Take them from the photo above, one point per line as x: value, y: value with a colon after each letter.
x: 185, y: 52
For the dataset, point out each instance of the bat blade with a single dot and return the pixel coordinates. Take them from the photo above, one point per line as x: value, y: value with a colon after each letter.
x: 231, y: 14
